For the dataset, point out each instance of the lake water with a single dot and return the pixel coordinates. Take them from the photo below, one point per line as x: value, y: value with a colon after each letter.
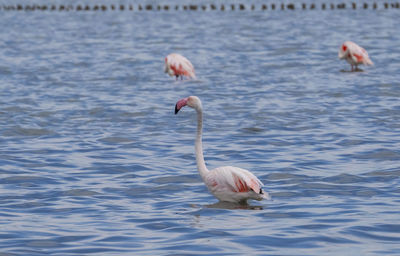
x: 93, y: 160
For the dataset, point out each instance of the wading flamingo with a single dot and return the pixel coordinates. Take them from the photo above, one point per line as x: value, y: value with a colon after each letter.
x: 227, y: 183
x: 178, y: 66
x: 354, y: 54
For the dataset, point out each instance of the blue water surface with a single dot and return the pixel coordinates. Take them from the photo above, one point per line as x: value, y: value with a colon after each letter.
x: 93, y: 160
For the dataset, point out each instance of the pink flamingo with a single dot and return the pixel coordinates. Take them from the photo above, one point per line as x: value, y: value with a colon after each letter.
x: 178, y: 66
x: 354, y: 54
x: 227, y: 183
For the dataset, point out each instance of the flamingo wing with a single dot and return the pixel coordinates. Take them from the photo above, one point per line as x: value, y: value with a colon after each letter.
x: 234, y: 179
x: 358, y: 54
x: 180, y: 65
x: 366, y: 60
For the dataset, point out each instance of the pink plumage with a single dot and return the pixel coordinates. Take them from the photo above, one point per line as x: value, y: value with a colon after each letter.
x: 354, y: 54
x: 227, y: 183
x: 178, y: 66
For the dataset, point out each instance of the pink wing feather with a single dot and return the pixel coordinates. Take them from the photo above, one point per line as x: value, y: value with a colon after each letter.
x: 358, y: 54
x: 180, y: 65
x: 236, y: 179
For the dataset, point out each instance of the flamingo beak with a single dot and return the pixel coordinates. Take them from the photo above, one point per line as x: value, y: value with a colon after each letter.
x: 180, y: 104
x: 176, y: 109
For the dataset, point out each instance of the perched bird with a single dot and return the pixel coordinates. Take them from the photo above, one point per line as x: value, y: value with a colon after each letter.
x: 228, y: 184
x: 354, y: 54
x: 178, y: 66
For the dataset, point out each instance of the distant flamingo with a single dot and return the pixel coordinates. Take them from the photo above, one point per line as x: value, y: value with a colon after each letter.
x: 354, y: 54
x: 229, y: 184
x: 178, y: 66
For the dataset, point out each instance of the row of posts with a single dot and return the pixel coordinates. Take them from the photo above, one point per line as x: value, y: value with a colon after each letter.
x: 195, y: 7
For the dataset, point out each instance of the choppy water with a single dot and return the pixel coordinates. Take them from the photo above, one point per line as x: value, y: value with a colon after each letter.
x: 93, y: 160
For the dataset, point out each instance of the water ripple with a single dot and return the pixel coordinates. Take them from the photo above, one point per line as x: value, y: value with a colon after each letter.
x: 94, y: 161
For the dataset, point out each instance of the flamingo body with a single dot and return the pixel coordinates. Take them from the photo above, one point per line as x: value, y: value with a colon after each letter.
x: 233, y: 184
x: 178, y: 66
x: 354, y: 54
x: 227, y: 183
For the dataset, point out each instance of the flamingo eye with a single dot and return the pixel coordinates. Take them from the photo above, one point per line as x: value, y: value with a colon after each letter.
x: 344, y: 48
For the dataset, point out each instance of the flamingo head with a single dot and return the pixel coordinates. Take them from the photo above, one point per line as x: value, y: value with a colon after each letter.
x: 191, y: 101
x: 343, y: 50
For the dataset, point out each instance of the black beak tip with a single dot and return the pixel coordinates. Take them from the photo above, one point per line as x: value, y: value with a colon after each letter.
x: 176, y: 109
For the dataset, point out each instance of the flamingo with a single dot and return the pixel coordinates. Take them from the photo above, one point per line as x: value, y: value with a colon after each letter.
x: 227, y: 183
x: 354, y: 54
x: 178, y: 66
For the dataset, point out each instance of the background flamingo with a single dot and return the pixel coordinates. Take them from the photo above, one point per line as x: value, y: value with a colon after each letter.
x: 354, y: 54
x: 178, y: 66
x: 230, y: 184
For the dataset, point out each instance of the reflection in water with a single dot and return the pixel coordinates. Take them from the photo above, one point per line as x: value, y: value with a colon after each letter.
x: 234, y: 206
x: 350, y: 71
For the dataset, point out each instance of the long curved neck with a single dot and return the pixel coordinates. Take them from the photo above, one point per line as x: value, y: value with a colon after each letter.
x: 198, y: 146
